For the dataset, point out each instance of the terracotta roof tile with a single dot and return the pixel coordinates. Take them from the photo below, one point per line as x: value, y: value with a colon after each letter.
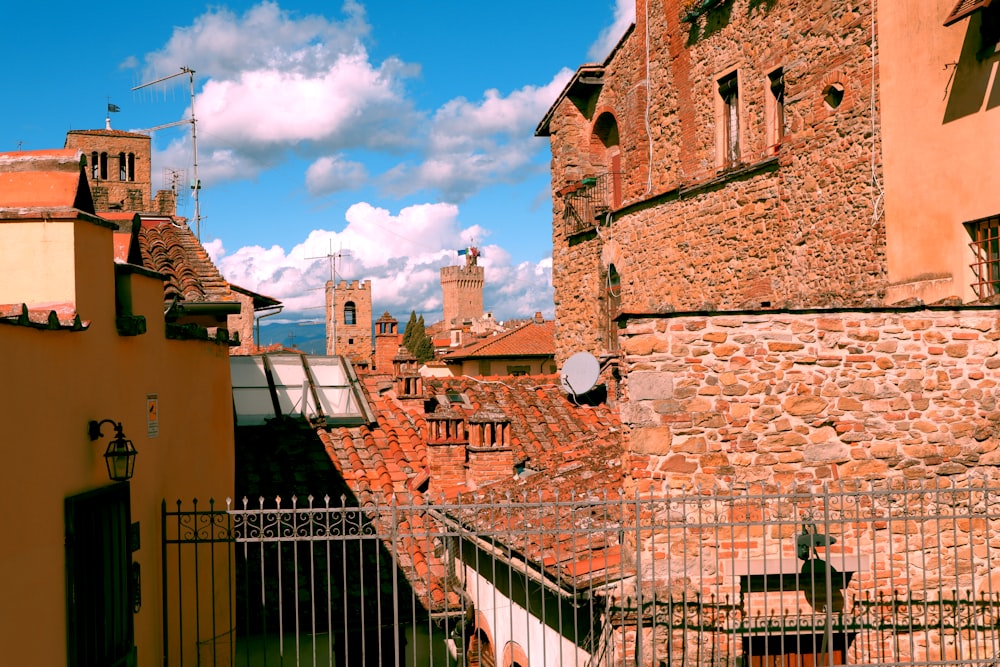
x: 171, y: 248
x: 569, y: 451
x: 534, y: 339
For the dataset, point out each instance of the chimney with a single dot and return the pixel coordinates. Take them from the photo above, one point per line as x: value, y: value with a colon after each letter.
x: 406, y: 378
x: 490, y: 455
x: 447, y: 440
x: 538, y: 317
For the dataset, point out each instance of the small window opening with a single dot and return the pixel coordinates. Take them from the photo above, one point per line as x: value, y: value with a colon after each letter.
x: 776, y: 106
x: 350, y: 313
x: 122, y: 167
x: 729, y: 92
x: 95, y: 165
x: 131, y: 167
x: 833, y: 95
x: 104, y: 165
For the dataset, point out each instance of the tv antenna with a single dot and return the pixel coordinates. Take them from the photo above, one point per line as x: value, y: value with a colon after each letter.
x: 333, y: 258
x: 196, y: 184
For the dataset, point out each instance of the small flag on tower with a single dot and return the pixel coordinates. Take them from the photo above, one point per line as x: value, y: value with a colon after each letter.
x: 113, y: 108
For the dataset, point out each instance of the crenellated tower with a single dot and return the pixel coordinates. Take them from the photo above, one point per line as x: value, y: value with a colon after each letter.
x: 349, y: 320
x: 462, y: 290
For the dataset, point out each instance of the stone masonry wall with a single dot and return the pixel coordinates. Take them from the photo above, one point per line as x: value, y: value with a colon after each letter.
x: 792, y: 225
x: 136, y: 194
x: 796, y: 399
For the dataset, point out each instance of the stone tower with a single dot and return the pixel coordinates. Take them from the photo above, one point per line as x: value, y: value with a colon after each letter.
x: 118, y: 167
x: 462, y: 290
x: 349, y: 320
x: 387, y: 342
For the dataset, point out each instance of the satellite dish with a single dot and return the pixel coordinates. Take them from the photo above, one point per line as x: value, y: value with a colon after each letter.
x: 580, y: 373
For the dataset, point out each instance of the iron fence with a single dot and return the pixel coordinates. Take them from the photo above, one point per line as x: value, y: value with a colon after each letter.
x: 884, y: 574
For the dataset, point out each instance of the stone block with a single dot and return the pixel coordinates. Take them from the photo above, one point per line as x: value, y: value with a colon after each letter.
x: 649, y: 385
x: 655, y: 440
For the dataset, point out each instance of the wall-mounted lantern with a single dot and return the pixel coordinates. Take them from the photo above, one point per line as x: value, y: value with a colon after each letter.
x: 120, y: 454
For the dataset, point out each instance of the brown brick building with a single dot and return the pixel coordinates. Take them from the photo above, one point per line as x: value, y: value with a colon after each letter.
x: 349, y: 320
x: 782, y: 222
x: 779, y: 220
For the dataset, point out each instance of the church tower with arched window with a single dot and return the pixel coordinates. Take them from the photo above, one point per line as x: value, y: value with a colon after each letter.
x: 349, y: 320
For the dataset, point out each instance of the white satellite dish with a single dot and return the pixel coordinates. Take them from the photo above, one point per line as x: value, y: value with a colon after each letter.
x: 579, y: 373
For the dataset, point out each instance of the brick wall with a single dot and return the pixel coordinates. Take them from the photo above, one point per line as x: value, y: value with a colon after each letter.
x: 136, y: 194
x: 790, y: 226
x: 462, y: 292
x: 802, y: 398
x: 351, y: 340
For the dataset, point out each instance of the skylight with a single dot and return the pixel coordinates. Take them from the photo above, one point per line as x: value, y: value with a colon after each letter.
x: 313, y: 387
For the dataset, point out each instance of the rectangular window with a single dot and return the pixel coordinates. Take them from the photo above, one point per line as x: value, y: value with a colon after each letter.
x: 730, y: 125
x: 985, y: 246
x: 518, y: 370
x: 775, y: 107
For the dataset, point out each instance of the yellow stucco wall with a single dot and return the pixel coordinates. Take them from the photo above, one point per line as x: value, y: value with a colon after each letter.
x: 940, y: 127
x: 36, y: 243
x: 500, y: 367
x: 54, y: 382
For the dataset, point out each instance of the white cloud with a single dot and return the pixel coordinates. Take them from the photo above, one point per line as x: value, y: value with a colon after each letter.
x: 309, y: 88
x: 223, y: 45
x: 471, y: 145
x: 402, y: 254
x: 334, y: 173
x: 305, y: 86
x: 624, y: 17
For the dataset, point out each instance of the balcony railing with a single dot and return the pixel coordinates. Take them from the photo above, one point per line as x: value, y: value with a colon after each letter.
x: 589, y: 201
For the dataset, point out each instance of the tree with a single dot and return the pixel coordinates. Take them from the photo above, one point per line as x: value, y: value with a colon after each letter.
x: 416, y: 340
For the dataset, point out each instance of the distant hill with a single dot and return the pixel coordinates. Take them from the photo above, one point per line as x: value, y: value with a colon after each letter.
x: 310, y: 338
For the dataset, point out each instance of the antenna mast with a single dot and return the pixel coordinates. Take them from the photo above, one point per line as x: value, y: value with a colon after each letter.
x: 332, y: 321
x: 196, y: 185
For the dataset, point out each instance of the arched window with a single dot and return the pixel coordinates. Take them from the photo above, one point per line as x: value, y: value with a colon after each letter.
x: 94, y: 166
x: 350, y: 313
x: 104, y: 165
x: 131, y: 166
x: 121, y: 167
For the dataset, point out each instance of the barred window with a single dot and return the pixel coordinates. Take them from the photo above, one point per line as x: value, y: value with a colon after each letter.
x: 985, y: 246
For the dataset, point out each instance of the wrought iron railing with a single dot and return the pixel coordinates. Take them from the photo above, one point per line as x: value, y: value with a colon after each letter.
x: 589, y: 202
x: 858, y: 574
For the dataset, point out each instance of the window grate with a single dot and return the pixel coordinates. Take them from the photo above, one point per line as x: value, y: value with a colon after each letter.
x: 985, y: 246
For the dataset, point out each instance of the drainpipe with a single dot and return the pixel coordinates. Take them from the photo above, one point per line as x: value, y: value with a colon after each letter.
x: 256, y: 323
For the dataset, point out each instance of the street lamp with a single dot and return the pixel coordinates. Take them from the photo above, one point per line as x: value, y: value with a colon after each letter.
x: 120, y: 454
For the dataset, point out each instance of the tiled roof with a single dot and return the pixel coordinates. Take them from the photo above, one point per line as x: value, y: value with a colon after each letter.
x: 171, y: 248
x: 44, y: 179
x: 43, y: 316
x: 535, y: 339
x: 567, y: 449
x: 547, y: 428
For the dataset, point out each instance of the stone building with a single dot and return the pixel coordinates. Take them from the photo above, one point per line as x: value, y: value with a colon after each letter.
x: 777, y: 222
x: 462, y: 291
x: 743, y: 218
x: 118, y: 168
x: 349, y: 320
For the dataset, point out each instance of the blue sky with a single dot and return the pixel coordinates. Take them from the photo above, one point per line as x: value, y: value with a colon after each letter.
x: 397, y: 132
